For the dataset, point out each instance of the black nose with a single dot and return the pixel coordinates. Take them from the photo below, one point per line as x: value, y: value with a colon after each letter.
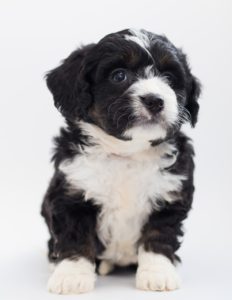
x: 154, y: 103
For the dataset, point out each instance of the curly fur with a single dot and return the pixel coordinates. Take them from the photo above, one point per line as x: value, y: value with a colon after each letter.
x: 123, y: 173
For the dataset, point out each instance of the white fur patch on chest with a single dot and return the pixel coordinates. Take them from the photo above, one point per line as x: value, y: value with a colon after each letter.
x: 127, y: 189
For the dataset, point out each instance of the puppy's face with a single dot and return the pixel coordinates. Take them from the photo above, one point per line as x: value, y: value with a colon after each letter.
x: 128, y: 83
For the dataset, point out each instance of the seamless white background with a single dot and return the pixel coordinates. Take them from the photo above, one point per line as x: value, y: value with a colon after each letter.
x: 34, y: 37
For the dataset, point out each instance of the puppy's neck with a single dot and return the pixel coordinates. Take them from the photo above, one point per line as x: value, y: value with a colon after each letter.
x: 140, y: 140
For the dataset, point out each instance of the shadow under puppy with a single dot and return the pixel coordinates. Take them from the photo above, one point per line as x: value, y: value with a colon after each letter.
x: 123, y: 180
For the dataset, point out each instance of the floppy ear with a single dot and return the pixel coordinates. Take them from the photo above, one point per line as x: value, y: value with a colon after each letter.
x: 192, y: 99
x: 69, y: 85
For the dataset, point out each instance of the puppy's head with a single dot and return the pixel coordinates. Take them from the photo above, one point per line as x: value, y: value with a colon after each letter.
x: 129, y: 82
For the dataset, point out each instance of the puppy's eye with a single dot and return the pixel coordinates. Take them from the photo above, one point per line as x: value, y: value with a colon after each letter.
x: 119, y: 75
x: 170, y: 76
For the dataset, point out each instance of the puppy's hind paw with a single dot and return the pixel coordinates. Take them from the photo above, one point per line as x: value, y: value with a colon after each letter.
x: 105, y: 267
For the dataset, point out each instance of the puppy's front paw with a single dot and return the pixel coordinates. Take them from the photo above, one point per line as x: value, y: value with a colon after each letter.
x: 156, y: 272
x: 159, y: 279
x: 72, y: 277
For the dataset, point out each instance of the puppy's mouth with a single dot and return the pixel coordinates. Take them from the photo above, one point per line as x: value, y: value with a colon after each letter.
x: 143, y: 120
x: 150, y: 117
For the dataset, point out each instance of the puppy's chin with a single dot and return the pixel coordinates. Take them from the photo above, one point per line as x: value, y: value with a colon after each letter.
x: 146, y: 130
x: 150, y: 127
x: 134, y: 140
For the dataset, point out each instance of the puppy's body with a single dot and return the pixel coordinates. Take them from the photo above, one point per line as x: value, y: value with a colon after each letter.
x: 123, y: 179
x: 126, y: 189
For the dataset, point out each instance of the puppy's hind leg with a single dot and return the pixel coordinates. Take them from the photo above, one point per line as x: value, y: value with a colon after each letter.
x: 105, y: 267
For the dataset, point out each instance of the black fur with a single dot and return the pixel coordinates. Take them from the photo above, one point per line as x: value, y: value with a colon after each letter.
x: 82, y: 91
x: 71, y: 221
x: 164, y: 227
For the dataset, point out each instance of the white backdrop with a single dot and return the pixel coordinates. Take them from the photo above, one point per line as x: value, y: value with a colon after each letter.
x: 34, y: 37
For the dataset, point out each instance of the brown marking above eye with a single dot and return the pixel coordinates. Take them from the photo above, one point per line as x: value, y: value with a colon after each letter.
x: 131, y: 57
x: 165, y: 59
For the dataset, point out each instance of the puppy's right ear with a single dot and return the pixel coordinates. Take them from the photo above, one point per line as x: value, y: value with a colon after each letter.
x: 69, y: 85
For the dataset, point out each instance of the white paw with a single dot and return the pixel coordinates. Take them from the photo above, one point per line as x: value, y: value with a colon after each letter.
x: 156, y: 272
x: 157, y: 280
x: 72, y: 277
x: 105, y: 267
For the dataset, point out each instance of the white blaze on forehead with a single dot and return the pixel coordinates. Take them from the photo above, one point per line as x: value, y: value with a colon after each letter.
x: 149, y: 72
x: 140, y: 38
x: 157, y: 86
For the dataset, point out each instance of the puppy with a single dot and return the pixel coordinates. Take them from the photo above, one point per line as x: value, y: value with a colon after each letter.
x: 123, y: 179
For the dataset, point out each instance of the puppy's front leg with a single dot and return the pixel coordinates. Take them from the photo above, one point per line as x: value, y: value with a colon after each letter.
x: 72, y: 224
x: 159, y: 242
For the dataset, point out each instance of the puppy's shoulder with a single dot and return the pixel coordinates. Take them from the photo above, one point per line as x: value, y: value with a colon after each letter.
x: 68, y: 144
x: 185, y: 154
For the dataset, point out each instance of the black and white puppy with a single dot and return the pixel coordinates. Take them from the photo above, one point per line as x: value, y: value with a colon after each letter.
x: 123, y: 180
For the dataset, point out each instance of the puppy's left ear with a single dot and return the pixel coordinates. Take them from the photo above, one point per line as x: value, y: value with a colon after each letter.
x: 192, y: 99
x: 69, y: 85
